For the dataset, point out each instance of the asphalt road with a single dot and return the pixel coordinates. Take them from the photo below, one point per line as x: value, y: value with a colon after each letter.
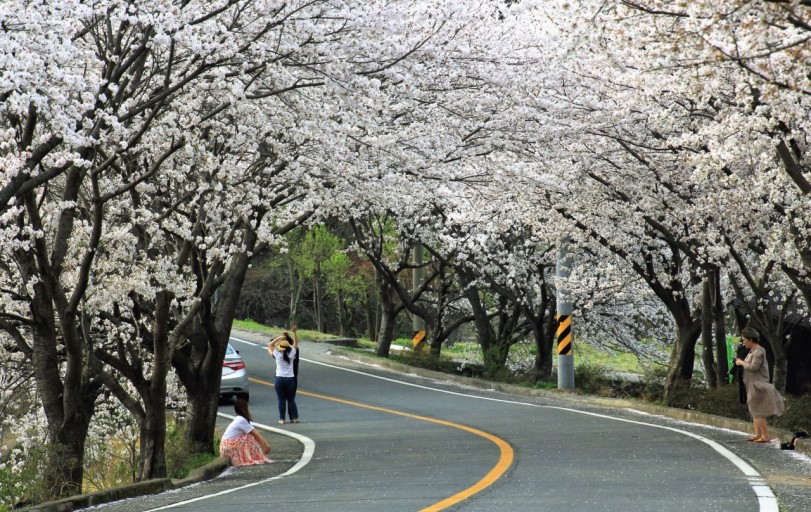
x: 406, y: 443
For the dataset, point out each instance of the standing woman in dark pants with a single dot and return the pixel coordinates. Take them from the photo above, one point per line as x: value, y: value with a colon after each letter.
x: 296, y: 358
x: 284, y: 352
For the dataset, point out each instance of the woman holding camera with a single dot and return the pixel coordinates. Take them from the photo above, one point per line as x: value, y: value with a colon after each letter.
x: 761, y: 396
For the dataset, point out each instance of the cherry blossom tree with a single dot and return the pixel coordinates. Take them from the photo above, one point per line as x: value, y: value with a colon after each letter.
x: 91, y: 116
x: 150, y: 151
x: 739, y: 79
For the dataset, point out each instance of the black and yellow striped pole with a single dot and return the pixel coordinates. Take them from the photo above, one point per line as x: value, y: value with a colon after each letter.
x: 564, y: 335
x: 417, y: 276
x: 564, y: 317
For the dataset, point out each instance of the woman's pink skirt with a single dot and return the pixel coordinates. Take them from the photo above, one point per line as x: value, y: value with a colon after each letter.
x: 244, y: 450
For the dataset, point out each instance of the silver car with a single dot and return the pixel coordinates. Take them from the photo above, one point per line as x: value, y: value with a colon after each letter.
x: 234, y: 376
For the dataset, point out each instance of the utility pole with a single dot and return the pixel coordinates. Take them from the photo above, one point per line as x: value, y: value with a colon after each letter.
x: 417, y: 276
x: 564, y: 317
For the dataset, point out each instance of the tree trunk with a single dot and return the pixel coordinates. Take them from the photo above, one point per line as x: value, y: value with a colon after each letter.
x: 64, y: 369
x: 153, y: 442
x: 388, y: 318
x: 707, y: 355
x: 199, y: 369
x: 682, y: 358
x: 369, y: 309
x: 341, y: 314
x: 199, y: 365
x: 68, y: 405
x: 780, y: 374
x: 65, y: 470
x: 318, y: 303
x: 378, y: 319
x: 779, y: 371
x: 149, y: 412
x: 201, y: 376
x: 153, y: 429
x: 494, y: 354
x: 544, y: 330
x: 722, y: 357
x: 296, y: 287
x: 484, y: 331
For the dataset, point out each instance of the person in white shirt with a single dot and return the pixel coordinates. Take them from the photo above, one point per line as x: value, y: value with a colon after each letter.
x: 284, y: 349
x: 241, y: 442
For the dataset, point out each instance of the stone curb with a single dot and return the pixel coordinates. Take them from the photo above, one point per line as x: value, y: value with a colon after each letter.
x: 156, y: 486
x: 201, y: 474
x: 802, y: 445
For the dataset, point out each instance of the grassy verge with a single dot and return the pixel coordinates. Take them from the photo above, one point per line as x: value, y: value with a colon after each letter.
x: 250, y: 325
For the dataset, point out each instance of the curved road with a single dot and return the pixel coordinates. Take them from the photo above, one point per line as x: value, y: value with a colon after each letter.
x: 405, y: 444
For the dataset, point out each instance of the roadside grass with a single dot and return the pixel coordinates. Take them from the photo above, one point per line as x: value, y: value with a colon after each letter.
x: 250, y: 325
x: 119, y: 466
x: 612, y: 361
x: 179, y: 459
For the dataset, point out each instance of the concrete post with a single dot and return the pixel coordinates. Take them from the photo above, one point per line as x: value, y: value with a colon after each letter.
x: 564, y: 316
x: 417, y: 276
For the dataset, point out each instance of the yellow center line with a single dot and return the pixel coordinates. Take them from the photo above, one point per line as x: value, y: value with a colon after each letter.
x: 505, y: 459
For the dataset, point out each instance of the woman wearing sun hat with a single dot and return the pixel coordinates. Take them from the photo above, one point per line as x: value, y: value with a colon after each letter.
x: 284, y: 349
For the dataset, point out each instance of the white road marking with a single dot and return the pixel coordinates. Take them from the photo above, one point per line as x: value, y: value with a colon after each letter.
x: 251, y: 343
x: 307, y: 456
x: 309, y: 449
x: 766, y: 498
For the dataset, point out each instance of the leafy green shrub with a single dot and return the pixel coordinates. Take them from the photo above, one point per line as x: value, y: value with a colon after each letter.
x: 21, y: 481
x: 545, y: 384
x: 684, y: 395
x: 111, y: 451
x: 797, y: 415
x: 654, y: 384
x: 596, y: 379
x: 180, y: 460
x: 592, y: 379
x: 722, y: 401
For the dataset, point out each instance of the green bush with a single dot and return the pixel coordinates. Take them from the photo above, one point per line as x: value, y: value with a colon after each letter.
x: 654, y: 384
x: 180, y: 460
x: 24, y: 484
x: 797, y: 415
x: 592, y: 379
x: 722, y: 401
x: 545, y: 384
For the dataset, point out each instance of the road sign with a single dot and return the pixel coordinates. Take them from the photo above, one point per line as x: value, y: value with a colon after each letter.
x: 418, y: 338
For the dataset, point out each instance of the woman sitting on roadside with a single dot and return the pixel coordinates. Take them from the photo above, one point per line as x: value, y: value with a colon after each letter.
x: 241, y: 442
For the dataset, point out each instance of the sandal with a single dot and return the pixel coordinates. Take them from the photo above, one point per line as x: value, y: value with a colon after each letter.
x: 762, y: 441
x: 751, y: 439
x: 281, y: 422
